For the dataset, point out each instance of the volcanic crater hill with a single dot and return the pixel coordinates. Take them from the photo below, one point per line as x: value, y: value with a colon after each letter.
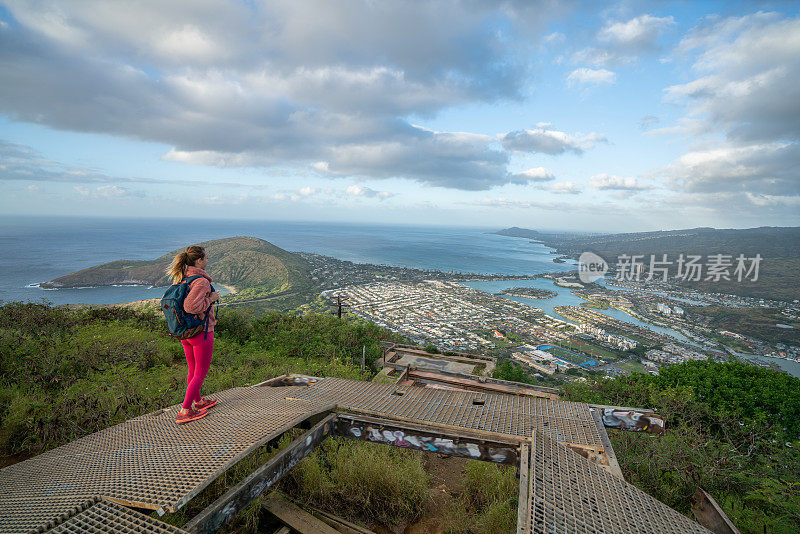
x: 241, y: 262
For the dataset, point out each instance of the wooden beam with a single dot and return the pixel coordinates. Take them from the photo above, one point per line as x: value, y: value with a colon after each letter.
x: 611, y: 456
x: 710, y: 514
x: 524, y: 500
x: 221, y: 511
x: 342, y: 525
x: 464, y: 381
x: 296, y: 517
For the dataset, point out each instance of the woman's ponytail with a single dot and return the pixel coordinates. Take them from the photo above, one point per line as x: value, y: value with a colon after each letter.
x: 177, y: 269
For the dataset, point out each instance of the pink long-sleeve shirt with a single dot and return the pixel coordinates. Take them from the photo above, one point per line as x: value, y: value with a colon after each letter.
x: 199, y: 297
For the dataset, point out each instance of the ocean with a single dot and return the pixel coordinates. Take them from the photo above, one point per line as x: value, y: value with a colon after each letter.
x: 38, y: 249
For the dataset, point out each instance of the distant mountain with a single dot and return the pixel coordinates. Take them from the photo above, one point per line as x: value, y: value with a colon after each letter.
x: 241, y: 262
x: 516, y: 231
x: 779, y: 275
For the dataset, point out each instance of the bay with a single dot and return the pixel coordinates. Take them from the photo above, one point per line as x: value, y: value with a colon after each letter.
x: 38, y: 249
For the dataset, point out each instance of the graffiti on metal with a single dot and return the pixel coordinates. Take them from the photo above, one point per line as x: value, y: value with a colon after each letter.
x: 633, y: 421
x: 475, y: 449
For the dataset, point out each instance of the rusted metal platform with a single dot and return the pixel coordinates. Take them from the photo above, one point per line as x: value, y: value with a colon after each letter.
x: 150, y: 462
x: 568, y: 493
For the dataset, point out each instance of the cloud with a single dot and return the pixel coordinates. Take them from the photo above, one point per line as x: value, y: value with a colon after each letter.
x: 565, y: 188
x: 623, y: 42
x: 617, y: 183
x: 638, y: 34
x: 543, y: 139
x: 21, y: 162
x: 363, y: 191
x: 107, y: 192
x: 586, y: 76
x: 281, y: 84
x: 648, y: 122
x: 536, y: 174
x: 746, y: 89
x: 769, y: 168
x: 308, y: 191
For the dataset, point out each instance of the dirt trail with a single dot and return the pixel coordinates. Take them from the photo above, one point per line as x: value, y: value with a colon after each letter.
x: 446, y: 478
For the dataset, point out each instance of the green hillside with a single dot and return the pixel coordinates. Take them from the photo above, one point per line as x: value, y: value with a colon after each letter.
x: 242, y: 262
x: 779, y: 272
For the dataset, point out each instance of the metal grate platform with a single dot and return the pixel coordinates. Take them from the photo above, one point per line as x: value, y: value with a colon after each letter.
x: 21, y: 514
x: 568, y: 422
x: 150, y: 462
x: 568, y: 493
x: 103, y: 517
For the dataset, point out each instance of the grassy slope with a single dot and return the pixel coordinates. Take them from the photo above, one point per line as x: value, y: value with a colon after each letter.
x: 243, y: 262
x: 101, y: 366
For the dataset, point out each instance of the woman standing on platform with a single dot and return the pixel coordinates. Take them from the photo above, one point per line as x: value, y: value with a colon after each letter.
x: 199, y: 348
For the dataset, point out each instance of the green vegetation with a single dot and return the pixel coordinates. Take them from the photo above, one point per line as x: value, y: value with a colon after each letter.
x: 65, y: 372
x: 759, y: 323
x: 360, y: 480
x: 488, y: 502
x: 592, y: 349
x: 732, y: 428
x: 255, y: 267
x: 508, y: 370
x: 779, y: 272
x: 632, y: 366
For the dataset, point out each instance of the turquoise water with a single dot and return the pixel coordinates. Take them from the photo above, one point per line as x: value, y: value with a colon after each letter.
x: 790, y: 366
x: 38, y: 249
x: 565, y: 298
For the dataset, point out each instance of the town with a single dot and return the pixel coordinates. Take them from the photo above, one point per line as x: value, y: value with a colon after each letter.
x: 446, y: 315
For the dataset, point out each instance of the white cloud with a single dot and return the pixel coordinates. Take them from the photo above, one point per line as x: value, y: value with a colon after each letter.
x: 748, y: 90
x: 565, y: 188
x: 639, y: 33
x: 106, y: 192
x: 363, y: 191
x: 619, y: 183
x: 587, y: 76
x: 308, y: 191
x: 623, y: 42
x: 549, y: 141
x: 278, y: 84
x: 767, y: 168
x: 536, y: 174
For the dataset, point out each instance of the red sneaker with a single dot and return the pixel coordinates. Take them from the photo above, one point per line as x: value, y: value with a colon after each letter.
x: 204, y: 404
x: 191, y: 416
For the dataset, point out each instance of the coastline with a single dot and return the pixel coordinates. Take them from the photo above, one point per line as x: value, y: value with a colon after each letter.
x: 231, y: 289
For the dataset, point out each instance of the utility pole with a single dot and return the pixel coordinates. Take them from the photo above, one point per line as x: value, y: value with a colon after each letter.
x: 339, y: 305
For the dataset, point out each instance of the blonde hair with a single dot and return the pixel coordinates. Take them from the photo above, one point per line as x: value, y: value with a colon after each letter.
x: 177, y: 269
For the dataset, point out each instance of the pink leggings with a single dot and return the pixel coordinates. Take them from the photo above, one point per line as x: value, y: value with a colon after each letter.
x: 198, y: 357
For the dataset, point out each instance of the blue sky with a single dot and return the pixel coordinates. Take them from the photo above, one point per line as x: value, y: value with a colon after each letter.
x: 553, y: 115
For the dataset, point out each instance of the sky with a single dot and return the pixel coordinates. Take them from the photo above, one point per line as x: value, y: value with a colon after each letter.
x: 552, y: 115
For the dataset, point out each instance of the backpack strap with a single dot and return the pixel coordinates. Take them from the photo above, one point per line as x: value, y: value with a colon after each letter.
x: 189, y: 280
